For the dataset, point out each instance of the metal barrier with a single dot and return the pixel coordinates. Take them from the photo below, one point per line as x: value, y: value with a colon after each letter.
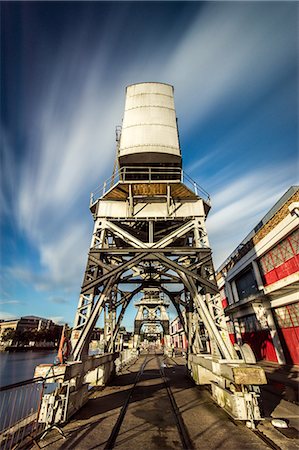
x: 19, y: 410
x: 23, y: 406
x: 126, y: 357
x: 128, y: 174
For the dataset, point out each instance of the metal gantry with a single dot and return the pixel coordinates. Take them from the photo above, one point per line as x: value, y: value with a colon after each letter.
x: 170, y: 252
x: 152, y: 315
x: 150, y: 233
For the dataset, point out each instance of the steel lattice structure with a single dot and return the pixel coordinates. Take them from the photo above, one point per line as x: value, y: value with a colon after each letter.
x: 150, y: 235
x: 150, y: 231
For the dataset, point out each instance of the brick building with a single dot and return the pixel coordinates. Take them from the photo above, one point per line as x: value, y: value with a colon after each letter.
x: 259, y: 284
x: 29, y: 323
x: 177, y: 335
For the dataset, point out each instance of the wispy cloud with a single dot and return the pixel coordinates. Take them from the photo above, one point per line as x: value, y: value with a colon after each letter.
x: 202, y: 161
x: 8, y: 170
x: 10, y: 302
x: 227, y: 58
x: 57, y: 319
x: 58, y: 300
x: 239, y: 205
x: 7, y: 316
x: 223, y: 60
x: 70, y: 152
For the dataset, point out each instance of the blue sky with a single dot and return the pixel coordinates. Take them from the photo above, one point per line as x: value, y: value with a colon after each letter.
x: 65, y: 65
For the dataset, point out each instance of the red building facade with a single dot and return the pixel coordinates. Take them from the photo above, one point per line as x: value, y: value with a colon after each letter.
x: 177, y: 335
x: 259, y: 285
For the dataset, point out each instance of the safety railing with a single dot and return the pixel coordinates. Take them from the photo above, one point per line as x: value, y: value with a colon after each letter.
x: 197, y: 189
x: 130, y: 174
x: 125, y: 358
x: 19, y: 409
x: 22, y: 415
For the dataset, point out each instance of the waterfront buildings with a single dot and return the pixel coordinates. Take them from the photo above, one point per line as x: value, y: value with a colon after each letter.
x: 259, y: 284
x: 177, y: 335
x: 28, y: 329
x: 26, y: 323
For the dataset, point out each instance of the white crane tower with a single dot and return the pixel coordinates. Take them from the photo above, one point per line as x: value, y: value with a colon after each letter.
x: 150, y: 232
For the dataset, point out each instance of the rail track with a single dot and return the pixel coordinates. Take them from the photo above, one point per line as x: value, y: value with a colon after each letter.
x: 160, y: 367
x: 182, y: 430
x: 187, y: 441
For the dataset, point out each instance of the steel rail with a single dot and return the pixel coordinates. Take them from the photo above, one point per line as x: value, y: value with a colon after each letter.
x: 115, y: 431
x: 266, y: 440
x: 258, y: 433
x: 187, y: 443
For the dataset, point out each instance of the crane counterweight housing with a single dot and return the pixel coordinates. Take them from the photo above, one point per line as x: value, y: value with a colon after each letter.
x: 149, y: 130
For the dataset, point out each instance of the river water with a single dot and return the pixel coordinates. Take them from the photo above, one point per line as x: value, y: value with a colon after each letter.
x: 19, y: 366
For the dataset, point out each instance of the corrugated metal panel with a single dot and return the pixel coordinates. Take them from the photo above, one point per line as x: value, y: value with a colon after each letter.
x: 150, y: 88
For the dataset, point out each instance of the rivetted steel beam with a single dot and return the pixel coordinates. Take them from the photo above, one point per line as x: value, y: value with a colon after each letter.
x: 125, y: 235
x: 170, y: 250
x: 128, y: 264
x: 207, y: 319
x: 174, y: 235
x: 100, y: 263
x: 175, y: 302
x: 200, y: 263
x: 121, y: 315
x: 206, y: 283
x: 83, y: 341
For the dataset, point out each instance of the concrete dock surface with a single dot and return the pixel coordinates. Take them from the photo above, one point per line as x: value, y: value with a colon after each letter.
x: 149, y: 422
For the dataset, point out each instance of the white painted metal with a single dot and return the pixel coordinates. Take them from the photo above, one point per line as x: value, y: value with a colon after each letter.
x: 152, y: 311
x: 149, y: 123
x: 152, y: 234
x: 178, y: 209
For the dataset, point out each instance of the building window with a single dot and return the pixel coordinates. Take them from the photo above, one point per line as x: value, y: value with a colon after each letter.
x: 230, y: 298
x: 246, y: 284
x: 281, y: 261
x: 249, y: 324
x: 287, y: 316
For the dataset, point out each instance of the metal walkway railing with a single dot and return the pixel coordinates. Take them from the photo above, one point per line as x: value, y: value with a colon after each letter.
x: 23, y: 418
x: 131, y: 174
x: 19, y: 410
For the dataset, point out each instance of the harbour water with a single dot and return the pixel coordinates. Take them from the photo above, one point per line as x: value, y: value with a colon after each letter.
x: 19, y: 366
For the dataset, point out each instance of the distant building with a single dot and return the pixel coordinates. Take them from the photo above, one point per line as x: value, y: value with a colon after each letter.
x: 97, y: 334
x: 177, y: 335
x: 259, y: 284
x: 6, y: 325
x: 28, y: 323
x: 127, y: 338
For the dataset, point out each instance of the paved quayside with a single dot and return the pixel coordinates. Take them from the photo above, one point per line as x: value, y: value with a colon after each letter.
x: 149, y: 417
